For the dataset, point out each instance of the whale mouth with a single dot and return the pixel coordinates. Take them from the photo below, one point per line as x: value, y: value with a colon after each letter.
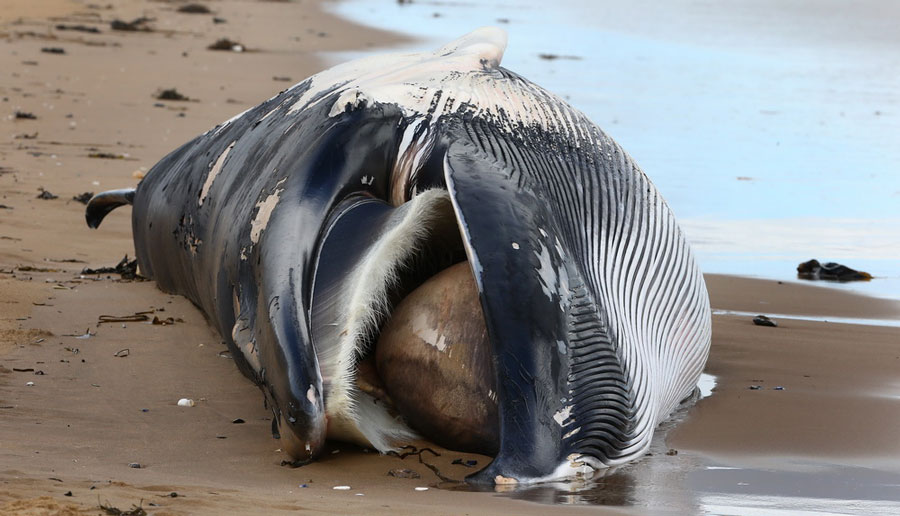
x: 398, y: 329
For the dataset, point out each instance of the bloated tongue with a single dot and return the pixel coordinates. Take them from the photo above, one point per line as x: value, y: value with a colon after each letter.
x: 434, y: 359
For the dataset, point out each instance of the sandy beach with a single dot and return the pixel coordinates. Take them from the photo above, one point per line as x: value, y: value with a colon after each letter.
x: 82, y: 401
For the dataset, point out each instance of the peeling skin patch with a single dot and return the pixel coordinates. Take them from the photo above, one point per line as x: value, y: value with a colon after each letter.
x: 428, y: 334
x: 573, y: 432
x: 214, y: 171
x: 352, y: 98
x: 265, y: 209
x: 562, y: 415
x: 554, y: 282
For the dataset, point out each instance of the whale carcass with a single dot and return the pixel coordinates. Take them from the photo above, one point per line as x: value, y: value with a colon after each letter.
x: 300, y: 225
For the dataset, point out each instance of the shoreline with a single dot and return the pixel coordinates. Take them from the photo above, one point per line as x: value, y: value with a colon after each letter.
x: 83, y: 422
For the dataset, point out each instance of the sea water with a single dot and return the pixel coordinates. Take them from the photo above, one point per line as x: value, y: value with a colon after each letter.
x: 772, y: 128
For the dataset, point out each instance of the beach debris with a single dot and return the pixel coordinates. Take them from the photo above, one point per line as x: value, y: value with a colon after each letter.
x: 23, y: 136
x: 86, y: 335
x: 24, y: 115
x: 194, y: 9
x: 170, y: 94
x: 46, y: 195
x: 421, y: 489
x: 23, y: 369
x: 53, y: 50
x: 672, y: 452
x: 412, y: 451
x: 553, y: 57
x: 29, y: 384
x: 755, y: 387
x: 762, y: 320
x: 830, y: 271
x: 186, y: 402
x: 467, y: 463
x: 67, y: 493
x: 778, y: 388
x: 237, y: 421
x: 79, y: 28
x: 136, y: 510
x: 125, y: 268
x: 341, y: 488
x: 227, y: 44
x: 403, y: 473
x: 122, y: 353
x: 105, y: 155
x: 136, y: 317
x: 135, y: 25
x: 83, y: 198
x: 168, y: 321
x: 31, y: 268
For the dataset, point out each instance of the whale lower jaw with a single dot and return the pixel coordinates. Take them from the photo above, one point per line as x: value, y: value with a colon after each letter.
x: 413, y: 241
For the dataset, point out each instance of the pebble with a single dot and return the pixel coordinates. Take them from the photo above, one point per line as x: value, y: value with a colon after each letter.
x: 135, y: 465
x: 341, y: 488
x: 29, y: 384
x: 421, y: 489
x: 186, y: 402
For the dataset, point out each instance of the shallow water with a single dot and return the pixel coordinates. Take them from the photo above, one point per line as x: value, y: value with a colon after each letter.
x: 771, y: 128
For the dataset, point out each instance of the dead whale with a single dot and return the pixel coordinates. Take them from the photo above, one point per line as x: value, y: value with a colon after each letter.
x: 300, y: 225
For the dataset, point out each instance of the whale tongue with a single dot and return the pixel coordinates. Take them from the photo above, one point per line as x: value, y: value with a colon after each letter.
x: 434, y: 359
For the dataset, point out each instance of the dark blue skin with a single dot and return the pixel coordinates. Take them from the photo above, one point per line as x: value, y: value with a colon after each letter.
x: 505, y: 188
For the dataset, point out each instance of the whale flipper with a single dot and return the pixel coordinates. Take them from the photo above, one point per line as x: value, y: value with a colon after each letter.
x: 103, y: 203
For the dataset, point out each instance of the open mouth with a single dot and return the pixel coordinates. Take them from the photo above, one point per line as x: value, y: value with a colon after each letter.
x: 399, y: 331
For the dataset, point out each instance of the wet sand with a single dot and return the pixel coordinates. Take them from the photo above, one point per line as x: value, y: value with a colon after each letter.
x: 92, y: 413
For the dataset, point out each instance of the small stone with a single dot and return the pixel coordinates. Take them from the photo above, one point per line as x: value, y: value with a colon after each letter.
x: 135, y: 465
x: 421, y: 489
x: 29, y: 384
x: 237, y: 421
x: 341, y: 488
x: 186, y: 402
x: 779, y: 388
x: 755, y: 387
x: 672, y: 451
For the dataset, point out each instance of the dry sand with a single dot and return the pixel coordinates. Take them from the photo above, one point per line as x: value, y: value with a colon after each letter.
x: 91, y: 413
